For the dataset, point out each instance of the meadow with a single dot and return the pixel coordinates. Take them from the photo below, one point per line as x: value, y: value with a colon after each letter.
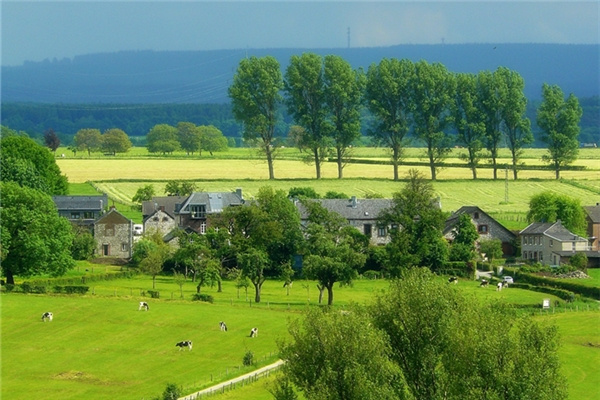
x: 100, y: 346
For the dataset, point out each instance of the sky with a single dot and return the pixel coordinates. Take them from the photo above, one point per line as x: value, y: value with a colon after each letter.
x: 43, y: 29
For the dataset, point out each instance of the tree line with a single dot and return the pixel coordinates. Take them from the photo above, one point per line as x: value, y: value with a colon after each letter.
x: 406, y: 101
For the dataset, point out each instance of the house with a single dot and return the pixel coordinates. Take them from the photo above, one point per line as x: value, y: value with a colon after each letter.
x: 114, y: 235
x: 487, y: 227
x: 191, y: 213
x: 550, y: 243
x: 81, y: 210
x: 592, y: 218
x: 361, y: 214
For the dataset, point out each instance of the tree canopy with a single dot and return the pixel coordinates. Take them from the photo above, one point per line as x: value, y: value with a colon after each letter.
x: 115, y: 141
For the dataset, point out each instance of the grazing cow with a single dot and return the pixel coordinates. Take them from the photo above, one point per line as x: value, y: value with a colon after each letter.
x: 143, y: 306
x: 453, y: 279
x: 186, y: 343
x: 47, y: 316
x: 484, y: 283
x: 254, y: 332
x: 223, y: 326
x: 499, y: 286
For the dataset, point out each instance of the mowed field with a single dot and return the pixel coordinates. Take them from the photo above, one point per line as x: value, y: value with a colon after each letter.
x: 100, y: 346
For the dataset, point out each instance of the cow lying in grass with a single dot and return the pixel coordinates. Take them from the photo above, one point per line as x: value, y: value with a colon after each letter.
x: 223, y: 326
x: 254, y: 332
x: 47, y: 316
x: 186, y: 343
x: 484, y: 283
x: 453, y: 279
x: 143, y: 306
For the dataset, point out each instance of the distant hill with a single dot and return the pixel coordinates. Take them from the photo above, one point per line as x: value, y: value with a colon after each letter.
x: 165, y: 77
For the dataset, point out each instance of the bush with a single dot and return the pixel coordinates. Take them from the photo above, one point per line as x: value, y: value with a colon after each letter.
x: 76, y: 289
x: 202, y: 297
x: 172, y: 392
x: 248, y: 358
x: 370, y: 274
x: 155, y: 294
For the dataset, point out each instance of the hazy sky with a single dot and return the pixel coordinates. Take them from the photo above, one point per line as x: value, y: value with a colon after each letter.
x: 34, y: 31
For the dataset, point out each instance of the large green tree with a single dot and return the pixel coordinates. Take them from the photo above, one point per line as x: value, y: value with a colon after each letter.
x: 304, y: 85
x: 465, y: 240
x: 35, y: 240
x: 551, y: 207
x: 449, y: 346
x: 189, y: 136
x: 255, y: 99
x: 213, y: 139
x: 492, y: 92
x: 162, y: 138
x: 51, y: 140
x: 432, y: 94
x: 88, y: 139
x: 115, y: 141
x: 29, y: 164
x: 388, y: 98
x: 559, y: 121
x: 515, y: 124
x: 467, y: 119
x: 343, y: 96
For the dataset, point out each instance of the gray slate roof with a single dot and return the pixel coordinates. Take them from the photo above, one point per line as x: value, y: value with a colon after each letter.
x: 554, y: 230
x: 215, y: 202
x: 170, y: 203
x: 79, y: 203
x: 593, y: 213
x: 351, y: 209
x: 452, y: 220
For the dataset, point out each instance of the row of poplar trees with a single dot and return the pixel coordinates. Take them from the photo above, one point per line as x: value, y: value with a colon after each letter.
x: 326, y: 97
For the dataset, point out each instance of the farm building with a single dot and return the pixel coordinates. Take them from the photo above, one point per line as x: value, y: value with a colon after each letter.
x: 550, y: 243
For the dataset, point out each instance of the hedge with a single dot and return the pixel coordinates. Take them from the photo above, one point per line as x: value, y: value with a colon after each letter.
x: 573, y: 287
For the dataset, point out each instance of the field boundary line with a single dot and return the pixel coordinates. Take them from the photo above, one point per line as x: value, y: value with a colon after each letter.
x: 223, y: 385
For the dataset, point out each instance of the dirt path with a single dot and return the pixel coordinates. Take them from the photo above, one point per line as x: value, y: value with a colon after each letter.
x: 218, y: 387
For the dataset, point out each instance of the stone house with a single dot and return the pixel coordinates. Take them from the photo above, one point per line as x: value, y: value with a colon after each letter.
x: 81, y: 210
x: 592, y: 217
x: 550, y: 243
x: 360, y: 213
x: 487, y: 227
x: 159, y: 213
x: 114, y: 235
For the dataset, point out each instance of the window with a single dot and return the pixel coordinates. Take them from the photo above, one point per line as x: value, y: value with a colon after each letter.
x: 381, y: 231
x: 198, y: 211
x: 74, y: 215
x: 483, y: 229
x: 165, y: 219
x: 524, y: 255
x: 368, y: 230
x: 530, y: 239
x: 476, y: 215
x: 203, y: 228
x: 551, y: 242
x: 88, y: 215
x: 124, y: 246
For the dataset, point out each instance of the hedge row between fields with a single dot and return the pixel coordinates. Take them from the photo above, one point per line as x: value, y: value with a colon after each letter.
x: 461, y: 165
x: 551, y: 283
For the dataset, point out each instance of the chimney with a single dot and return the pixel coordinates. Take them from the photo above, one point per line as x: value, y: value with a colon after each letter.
x: 353, y: 201
x: 162, y: 208
x: 238, y: 191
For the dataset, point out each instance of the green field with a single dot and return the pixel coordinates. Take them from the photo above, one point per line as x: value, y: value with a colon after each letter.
x: 100, y: 346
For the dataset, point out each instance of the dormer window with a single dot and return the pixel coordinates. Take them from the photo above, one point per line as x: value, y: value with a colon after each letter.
x: 198, y: 211
x: 476, y: 215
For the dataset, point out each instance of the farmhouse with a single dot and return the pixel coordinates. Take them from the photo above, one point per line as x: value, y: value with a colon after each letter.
x: 550, y: 243
x: 361, y: 214
x: 114, y: 235
x: 81, y: 210
x: 487, y: 227
x: 592, y: 218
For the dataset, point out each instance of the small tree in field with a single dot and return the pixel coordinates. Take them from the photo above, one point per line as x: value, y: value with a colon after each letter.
x: 492, y: 249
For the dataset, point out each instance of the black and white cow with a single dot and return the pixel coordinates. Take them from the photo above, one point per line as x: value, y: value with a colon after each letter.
x: 453, y: 279
x: 254, y: 332
x: 143, y: 306
x: 186, y: 343
x: 501, y: 285
x: 223, y: 326
x: 484, y: 283
x: 47, y: 316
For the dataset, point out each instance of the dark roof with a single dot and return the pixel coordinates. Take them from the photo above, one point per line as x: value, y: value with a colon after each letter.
x: 215, y: 202
x: 588, y: 253
x: 168, y: 202
x: 81, y: 202
x: 554, y: 230
x: 113, y: 217
x: 452, y: 220
x: 351, y: 209
x: 593, y: 212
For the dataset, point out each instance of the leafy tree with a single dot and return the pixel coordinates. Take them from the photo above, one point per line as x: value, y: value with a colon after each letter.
x: 172, y: 392
x: 388, y: 98
x: 255, y: 100
x: 304, y: 85
x: 35, y: 240
x: 162, y: 138
x: 51, y: 140
x: 213, y: 139
x: 550, y: 207
x: 465, y: 237
x: 190, y: 137
x: 448, y: 346
x: 306, y: 192
x: 492, y: 248
x: 516, y: 125
x: 559, y: 122
x: 253, y: 263
x: 5, y: 132
x: 29, y: 164
x: 492, y: 92
x: 88, y: 139
x: 144, y: 193
x: 432, y: 93
x: 339, y: 355
x: 179, y: 188
x: 470, y: 130
x: 331, y: 194
x: 115, y: 141
x: 343, y: 96
x: 195, y: 253
x: 579, y: 261
x: 416, y: 227
x: 150, y: 253
x: 83, y: 245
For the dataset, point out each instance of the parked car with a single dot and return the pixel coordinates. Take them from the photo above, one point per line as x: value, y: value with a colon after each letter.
x: 138, y: 229
x: 508, y: 279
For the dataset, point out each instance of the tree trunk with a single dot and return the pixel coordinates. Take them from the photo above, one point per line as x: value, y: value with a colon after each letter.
x: 395, y: 157
x: 317, y: 162
x: 219, y: 286
x: 257, y: 287
x: 10, y: 278
x: 340, y: 164
x: 153, y: 281
x: 432, y: 165
x: 321, y: 289
x: 330, y: 294
x: 270, y: 161
x: 495, y: 167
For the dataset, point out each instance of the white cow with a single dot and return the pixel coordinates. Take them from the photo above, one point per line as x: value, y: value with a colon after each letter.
x: 223, y: 326
x: 254, y: 332
x: 47, y: 316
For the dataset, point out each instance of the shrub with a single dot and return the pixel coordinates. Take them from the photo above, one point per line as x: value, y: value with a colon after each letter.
x: 76, y: 289
x: 248, y: 358
x: 202, y: 297
x: 172, y: 392
x: 155, y: 294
